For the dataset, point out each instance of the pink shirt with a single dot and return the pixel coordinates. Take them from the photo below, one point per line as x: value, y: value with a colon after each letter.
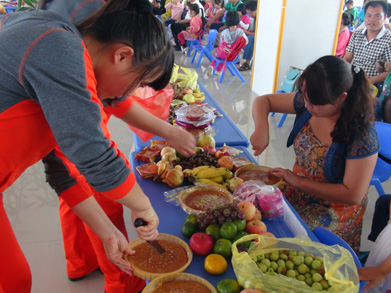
x: 343, y: 39
x: 176, y: 10
x: 246, y: 20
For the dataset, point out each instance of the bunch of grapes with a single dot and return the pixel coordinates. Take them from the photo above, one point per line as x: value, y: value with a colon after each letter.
x: 220, y: 214
x: 200, y: 158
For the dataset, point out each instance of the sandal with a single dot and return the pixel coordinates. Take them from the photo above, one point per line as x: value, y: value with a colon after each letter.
x: 244, y: 67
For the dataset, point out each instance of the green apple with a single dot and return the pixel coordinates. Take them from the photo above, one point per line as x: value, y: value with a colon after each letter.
x: 189, y: 98
x: 206, y: 139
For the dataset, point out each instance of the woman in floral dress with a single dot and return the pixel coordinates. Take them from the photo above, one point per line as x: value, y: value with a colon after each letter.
x: 335, y: 142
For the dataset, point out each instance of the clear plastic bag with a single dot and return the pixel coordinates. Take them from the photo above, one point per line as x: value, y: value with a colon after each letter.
x: 341, y: 272
x: 268, y: 198
x: 205, y: 120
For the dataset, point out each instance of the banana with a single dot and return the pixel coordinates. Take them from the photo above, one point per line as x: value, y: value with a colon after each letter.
x: 210, y: 173
x: 196, y: 170
x: 211, y: 182
x: 187, y: 172
x: 217, y: 179
x: 199, y: 97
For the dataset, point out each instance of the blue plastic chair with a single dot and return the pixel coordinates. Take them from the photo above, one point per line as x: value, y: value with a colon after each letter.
x: 192, y: 43
x: 382, y: 170
x: 329, y: 238
x: 287, y: 86
x: 205, y: 49
x: 231, y: 67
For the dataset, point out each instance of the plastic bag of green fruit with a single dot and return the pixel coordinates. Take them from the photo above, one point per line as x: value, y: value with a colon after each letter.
x: 188, y: 79
x: 293, y: 265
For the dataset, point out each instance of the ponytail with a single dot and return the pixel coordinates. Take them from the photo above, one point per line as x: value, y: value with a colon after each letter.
x: 132, y: 22
x: 357, y: 112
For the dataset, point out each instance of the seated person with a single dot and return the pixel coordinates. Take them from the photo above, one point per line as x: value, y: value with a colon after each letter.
x: 335, y: 142
x: 176, y: 8
x: 344, y: 35
x: 251, y: 9
x: 192, y: 32
x: 352, y: 11
x: 231, y: 5
x: 228, y: 38
x: 245, y: 19
x: 383, y: 102
x: 377, y: 270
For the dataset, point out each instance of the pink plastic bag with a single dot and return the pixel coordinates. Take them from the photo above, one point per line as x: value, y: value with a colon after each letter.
x: 267, y: 198
x: 156, y: 103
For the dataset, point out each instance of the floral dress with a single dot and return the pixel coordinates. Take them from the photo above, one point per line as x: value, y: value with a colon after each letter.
x: 313, y: 162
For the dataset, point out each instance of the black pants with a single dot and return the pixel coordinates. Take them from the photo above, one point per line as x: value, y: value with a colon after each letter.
x: 176, y: 28
x: 380, y: 216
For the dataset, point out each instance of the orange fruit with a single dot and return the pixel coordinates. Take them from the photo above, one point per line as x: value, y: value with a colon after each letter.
x: 223, y: 247
x: 228, y: 286
x: 215, y: 264
x: 228, y: 230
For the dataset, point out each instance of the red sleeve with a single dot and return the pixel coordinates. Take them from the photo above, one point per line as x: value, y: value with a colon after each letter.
x: 119, y: 109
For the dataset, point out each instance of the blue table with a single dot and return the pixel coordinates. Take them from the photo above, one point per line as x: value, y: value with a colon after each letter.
x: 226, y: 130
x: 172, y: 217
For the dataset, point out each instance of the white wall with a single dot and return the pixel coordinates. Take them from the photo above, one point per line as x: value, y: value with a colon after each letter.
x: 309, y: 33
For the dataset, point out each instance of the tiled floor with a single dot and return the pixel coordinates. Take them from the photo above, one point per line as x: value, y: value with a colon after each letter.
x: 32, y: 206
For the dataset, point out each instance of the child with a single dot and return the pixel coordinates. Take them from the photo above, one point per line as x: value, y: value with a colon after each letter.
x: 227, y: 39
x: 176, y: 7
x: 352, y: 10
x: 378, y: 266
x: 192, y: 31
x: 217, y: 7
x: 245, y: 20
x: 344, y: 35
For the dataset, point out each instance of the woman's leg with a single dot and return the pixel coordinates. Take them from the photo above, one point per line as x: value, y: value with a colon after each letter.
x: 15, y: 275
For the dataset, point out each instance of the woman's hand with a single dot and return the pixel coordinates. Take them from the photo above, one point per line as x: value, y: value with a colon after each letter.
x: 287, y: 175
x: 115, y: 247
x: 182, y: 141
x: 148, y: 232
x: 373, y: 275
x: 259, y: 141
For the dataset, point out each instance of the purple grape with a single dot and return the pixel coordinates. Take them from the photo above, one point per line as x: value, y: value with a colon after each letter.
x: 221, y: 220
x: 226, y: 212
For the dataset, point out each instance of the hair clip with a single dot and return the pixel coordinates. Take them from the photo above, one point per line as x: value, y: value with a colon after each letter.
x: 356, y: 69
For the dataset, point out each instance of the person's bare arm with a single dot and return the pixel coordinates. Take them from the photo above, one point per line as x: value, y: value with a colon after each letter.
x: 378, y: 78
x: 262, y: 106
x: 375, y: 275
x: 348, y: 56
x: 358, y: 174
x: 179, y: 139
x: 216, y: 17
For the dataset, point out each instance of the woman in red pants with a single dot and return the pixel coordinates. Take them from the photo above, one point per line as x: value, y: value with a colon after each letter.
x: 52, y: 74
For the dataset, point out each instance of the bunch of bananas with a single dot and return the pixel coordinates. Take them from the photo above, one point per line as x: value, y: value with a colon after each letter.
x: 209, y: 175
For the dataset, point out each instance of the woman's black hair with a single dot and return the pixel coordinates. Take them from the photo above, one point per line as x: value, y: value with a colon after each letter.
x: 242, y: 8
x: 251, y: 5
x: 232, y: 18
x: 218, y: 1
x: 347, y: 18
x: 325, y: 80
x: 131, y: 22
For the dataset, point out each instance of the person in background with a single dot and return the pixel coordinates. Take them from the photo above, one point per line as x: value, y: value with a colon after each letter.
x: 228, y: 38
x: 182, y: 24
x: 335, y: 143
x: 231, y: 5
x: 251, y: 9
x: 176, y: 8
x: 377, y: 270
x: 158, y: 8
x: 372, y: 43
x: 344, y: 35
x: 93, y: 59
x: 352, y: 11
x: 245, y: 19
x: 208, y: 7
x: 361, y: 16
x: 217, y: 6
x: 383, y: 102
x: 192, y: 31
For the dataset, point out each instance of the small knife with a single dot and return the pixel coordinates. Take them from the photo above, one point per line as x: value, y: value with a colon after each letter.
x: 140, y: 222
